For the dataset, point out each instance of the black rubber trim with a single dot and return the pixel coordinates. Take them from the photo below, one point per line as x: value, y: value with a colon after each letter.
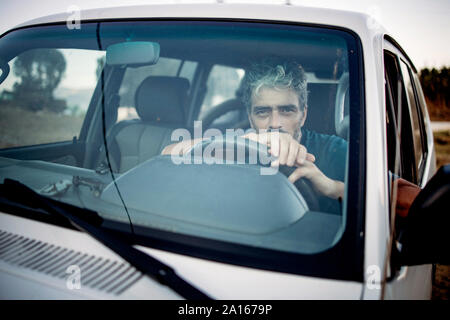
x: 397, y: 45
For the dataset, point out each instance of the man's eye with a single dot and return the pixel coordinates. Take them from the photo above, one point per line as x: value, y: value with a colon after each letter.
x: 287, y: 110
x: 261, y: 113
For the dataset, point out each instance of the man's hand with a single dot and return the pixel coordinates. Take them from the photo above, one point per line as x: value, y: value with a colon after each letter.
x: 283, y: 146
x: 406, y: 193
x: 292, y: 153
x: 324, y: 185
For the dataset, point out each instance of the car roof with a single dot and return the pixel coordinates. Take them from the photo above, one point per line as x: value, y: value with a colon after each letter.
x: 365, y: 26
x: 360, y: 23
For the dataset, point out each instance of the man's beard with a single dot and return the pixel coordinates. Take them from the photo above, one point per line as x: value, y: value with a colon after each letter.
x: 297, y: 133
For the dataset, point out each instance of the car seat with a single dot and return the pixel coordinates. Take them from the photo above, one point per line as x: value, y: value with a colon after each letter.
x: 342, y: 120
x: 160, y: 103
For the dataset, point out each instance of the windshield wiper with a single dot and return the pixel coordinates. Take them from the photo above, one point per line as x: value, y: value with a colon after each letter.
x: 89, y: 222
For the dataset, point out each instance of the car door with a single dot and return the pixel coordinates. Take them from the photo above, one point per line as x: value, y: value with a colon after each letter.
x: 408, y: 156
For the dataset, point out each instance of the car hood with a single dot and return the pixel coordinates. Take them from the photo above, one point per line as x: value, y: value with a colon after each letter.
x: 43, y: 261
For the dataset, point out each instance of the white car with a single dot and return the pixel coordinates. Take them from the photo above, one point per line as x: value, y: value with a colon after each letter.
x: 91, y: 209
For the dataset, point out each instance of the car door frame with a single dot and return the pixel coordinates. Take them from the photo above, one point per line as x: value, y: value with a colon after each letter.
x: 409, y: 282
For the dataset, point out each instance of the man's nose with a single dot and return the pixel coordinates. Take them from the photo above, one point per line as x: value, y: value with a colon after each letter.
x: 275, y: 121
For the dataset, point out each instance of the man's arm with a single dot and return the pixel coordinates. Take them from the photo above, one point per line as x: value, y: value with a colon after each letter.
x: 328, y: 187
x: 406, y: 193
x: 291, y: 153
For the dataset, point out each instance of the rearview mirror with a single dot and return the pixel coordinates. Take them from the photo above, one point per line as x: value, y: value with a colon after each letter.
x: 133, y: 53
x: 425, y: 237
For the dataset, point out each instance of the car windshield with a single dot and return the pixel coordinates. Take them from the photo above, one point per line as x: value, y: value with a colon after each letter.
x: 231, y: 141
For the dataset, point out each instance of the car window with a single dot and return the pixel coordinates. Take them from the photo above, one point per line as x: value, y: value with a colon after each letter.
x: 403, y: 133
x: 399, y: 122
x: 416, y: 119
x: 46, y: 96
x: 133, y: 77
x: 405, y: 146
x: 222, y: 84
x: 422, y: 108
x: 221, y: 196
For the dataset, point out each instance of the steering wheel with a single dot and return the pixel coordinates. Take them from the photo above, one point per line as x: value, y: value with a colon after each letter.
x: 223, y: 108
x: 254, y: 153
x: 4, y: 70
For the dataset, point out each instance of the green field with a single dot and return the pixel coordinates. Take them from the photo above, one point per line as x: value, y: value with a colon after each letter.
x: 19, y: 127
x: 442, y: 146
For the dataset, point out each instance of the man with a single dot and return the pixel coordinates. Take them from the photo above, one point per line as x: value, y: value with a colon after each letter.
x: 275, y: 95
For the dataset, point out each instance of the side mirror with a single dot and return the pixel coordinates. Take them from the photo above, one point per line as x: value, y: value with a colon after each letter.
x: 426, y: 233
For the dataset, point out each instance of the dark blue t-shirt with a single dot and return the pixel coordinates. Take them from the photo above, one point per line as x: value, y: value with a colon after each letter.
x: 330, y: 153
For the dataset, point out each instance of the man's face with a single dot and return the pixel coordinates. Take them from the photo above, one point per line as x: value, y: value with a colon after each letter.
x: 278, y: 109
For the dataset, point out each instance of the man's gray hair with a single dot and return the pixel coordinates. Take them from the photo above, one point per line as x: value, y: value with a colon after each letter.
x: 272, y: 73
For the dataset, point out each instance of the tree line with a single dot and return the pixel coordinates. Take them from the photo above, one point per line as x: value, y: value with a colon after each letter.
x: 38, y: 74
x: 435, y: 85
x: 40, y: 71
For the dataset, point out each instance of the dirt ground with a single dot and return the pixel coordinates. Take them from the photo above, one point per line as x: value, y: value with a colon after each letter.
x: 441, y: 285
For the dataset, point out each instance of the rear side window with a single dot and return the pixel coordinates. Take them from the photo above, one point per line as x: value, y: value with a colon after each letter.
x: 399, y: 126
x: 222, y: 84
x: 415, y: 118
x: 421, y: 104
x: 133, y: 77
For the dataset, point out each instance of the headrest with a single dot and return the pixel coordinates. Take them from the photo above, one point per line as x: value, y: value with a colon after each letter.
x: 162, y: 99
x: 240, y: 90
x: 341, y: 117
